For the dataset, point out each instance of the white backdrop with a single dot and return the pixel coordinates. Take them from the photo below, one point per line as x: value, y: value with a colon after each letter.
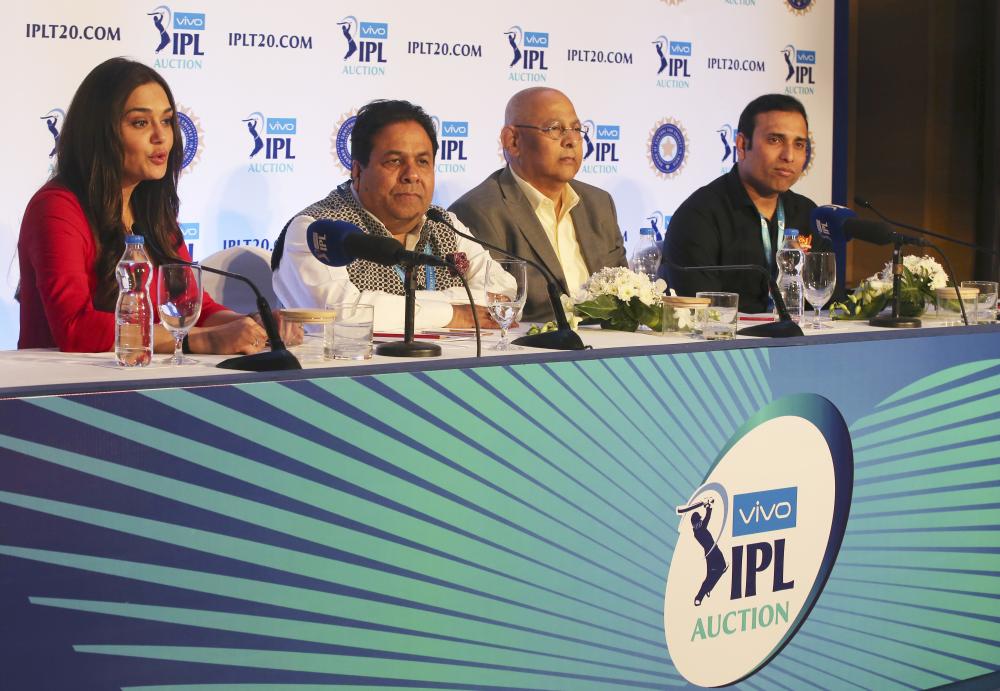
x: 281, y: 67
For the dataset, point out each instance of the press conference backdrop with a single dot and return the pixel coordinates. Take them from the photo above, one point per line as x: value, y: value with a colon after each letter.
x: 267, y: 93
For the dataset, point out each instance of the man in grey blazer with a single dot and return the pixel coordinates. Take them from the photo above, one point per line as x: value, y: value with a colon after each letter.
x: 534, y: 208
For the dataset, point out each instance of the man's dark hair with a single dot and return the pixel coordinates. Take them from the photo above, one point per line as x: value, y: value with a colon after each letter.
x: 378, y: 114
x: 766, y: 104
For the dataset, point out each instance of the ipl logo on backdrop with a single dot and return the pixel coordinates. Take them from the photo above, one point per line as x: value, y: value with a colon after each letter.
x: 340, y: 140
x: 600, y: 155
x: 799, y: 78
x: 273, y: 137
x: 528, y: 54
x: 192, y: 138
x: 179, y: 35
x: 452, y: 138
x: 674, y: 63
x: 757, y: 541
x: 727, y: 133
x: 659, y: 221
x: 667, y: 148
x: 53, y: 121
x: 800, y: 7
x: 365, y: 46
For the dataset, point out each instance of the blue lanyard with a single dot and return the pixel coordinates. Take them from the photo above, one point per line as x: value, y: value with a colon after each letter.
x: 430, y: 276
x: 765, y: 233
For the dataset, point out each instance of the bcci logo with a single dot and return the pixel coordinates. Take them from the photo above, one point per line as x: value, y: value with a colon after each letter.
x: 53, y: 121
x: 271, y: 137
x: 667, y: 148
x: 727, y: 133
x: 810, y: 155
x: 800, y: 64
x: 179, y: 35
x: 340, y: 140
x: 192, y: 138
x: 527, y: 53
x: 757, y: 541
x: 364, y: 46
x: 800, y: 7
x: 600, y: 148
x: 452, y: 138
x: 674, y: 58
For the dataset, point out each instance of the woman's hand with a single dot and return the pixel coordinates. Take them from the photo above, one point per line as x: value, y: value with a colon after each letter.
x: 241, y: 335
x: 291, y: 332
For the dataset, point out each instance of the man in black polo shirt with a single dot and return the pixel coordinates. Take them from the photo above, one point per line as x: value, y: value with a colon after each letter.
x: 740, y: 217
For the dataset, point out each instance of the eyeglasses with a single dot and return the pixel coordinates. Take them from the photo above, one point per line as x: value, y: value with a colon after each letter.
x: 556, y: 131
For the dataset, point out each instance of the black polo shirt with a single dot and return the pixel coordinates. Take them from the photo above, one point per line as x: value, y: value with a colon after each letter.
x: 719, y: 224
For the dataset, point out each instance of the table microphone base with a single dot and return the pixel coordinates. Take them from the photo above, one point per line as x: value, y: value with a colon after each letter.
x: 560, y: 339
x: 267, y: 361
x: 895, y: 322
x: 408, y: 349
x: 777, y: 329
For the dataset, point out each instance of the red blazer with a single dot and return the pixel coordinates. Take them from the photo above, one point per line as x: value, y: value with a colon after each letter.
x: 56, y: 253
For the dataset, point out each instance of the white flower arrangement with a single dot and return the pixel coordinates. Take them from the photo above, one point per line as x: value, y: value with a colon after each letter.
x: 618, y: 298
x: 921, y: 276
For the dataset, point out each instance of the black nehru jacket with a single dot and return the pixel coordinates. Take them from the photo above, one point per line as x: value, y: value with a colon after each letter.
x: 718, y: 224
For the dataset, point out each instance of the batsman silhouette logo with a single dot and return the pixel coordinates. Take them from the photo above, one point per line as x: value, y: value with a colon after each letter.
x: 757, y: 541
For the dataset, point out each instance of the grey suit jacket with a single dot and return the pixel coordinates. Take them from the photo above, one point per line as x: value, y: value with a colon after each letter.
x: 497, y: 212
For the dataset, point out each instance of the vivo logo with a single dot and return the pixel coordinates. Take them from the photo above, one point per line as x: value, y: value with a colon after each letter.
x: 190, y: 231
x: 807, y: 57
x: 190, y: 21
x: 454, y: 129
x: 536, y: 39
x: 281, y: 125
x: 682, y: 48
x: 761, y: 512
x: 608, y: 132
x: 378, y: 31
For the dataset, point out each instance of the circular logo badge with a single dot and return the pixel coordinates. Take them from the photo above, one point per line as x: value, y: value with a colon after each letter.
x: 810, y: 155
x: 192, y: 137
x: 340, y: 140
x: 667, y: 148
x: 757, y: 540
x: 800, y: 6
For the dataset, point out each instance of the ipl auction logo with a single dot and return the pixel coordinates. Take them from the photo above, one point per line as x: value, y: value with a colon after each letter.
x: 275, y: 142
x: 53, y: 121
x: 667, y: 148
x: 800, y: 7
x: 800, y: 64
x: 528, y: 54
x: 180, y: 32
x: 727, y: 133
x: 600, y: 142
x: 340, y: 140
x: 192, y: 138
x: 674, y: 63
x: 452, y: 138
x: 365, y: 46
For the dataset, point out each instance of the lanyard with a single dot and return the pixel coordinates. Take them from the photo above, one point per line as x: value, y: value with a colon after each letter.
x: 765, y: 233
x: 430, y: 277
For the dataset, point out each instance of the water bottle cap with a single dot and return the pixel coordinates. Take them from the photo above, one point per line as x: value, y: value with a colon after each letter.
x: 135, y: 240
x: 791, y: 231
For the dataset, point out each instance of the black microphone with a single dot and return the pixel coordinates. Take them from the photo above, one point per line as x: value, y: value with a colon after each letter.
x: 338, y: 243
x: 785, y: 327
x: 563, y: 338
x: 861, y: 201
x: 278, y: 358
x: 878, y: 233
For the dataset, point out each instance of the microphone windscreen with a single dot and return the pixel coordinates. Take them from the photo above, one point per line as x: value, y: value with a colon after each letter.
x: 326, y: 241
x: 828, y: 221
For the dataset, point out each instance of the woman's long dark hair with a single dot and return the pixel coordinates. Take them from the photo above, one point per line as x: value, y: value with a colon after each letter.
x: 90, y: 161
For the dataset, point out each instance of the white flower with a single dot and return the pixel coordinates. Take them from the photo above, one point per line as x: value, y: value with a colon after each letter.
x: 622, y: 284
x: 567, y: 305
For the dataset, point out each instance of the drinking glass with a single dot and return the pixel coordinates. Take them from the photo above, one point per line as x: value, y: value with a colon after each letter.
x: 506, y: 284
x: 349, y: 336
x: 178, y: 299
x: 986, y: 301
x: 819, y: 279
x: 719, y: 317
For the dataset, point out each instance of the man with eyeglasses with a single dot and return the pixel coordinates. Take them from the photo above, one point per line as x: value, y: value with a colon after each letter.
x: 534, y: 208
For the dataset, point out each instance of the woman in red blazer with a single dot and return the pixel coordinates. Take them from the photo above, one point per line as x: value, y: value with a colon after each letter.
x: 119, y: 158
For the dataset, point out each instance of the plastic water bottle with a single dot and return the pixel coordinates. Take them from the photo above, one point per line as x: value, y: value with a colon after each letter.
x: 646, y: 255
x: 134, y: 310
x: 789, y: 260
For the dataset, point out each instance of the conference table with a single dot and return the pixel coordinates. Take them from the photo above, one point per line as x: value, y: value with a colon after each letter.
x: 498, y: 522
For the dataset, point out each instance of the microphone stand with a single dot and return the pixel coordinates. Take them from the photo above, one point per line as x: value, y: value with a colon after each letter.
x: 896, y: 321
x: 409, y: 347
x: 563, y: 338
